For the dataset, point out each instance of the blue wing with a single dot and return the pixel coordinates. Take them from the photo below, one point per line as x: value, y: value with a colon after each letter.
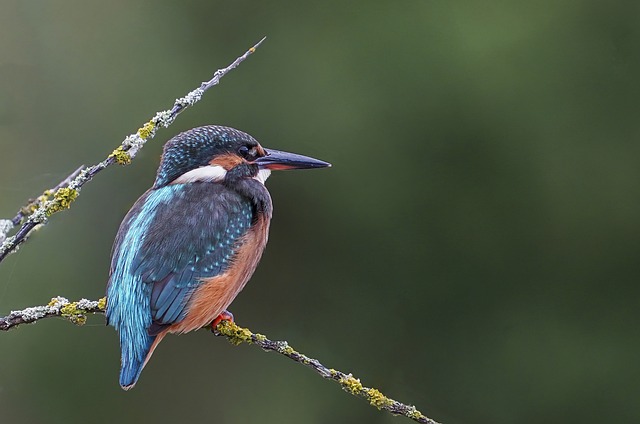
x: 192, y: 234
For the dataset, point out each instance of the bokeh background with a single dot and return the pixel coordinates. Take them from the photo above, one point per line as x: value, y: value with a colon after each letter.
x: 473, y: 251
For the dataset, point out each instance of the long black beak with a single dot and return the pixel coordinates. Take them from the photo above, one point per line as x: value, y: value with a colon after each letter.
x: 277, y: 160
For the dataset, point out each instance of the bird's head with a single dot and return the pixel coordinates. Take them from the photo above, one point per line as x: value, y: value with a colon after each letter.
x: 214, y: 154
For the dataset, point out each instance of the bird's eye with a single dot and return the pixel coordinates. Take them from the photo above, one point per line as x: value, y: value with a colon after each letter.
x: 248, y: 154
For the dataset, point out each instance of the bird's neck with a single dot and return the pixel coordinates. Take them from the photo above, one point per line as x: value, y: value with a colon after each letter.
x: 254, y: 189
x: 246, y: 180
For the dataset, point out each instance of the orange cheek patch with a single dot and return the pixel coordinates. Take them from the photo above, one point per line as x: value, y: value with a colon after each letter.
x: 228, y: 161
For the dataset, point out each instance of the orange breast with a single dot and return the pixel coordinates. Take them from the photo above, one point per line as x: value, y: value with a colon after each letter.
x: 217, y: 293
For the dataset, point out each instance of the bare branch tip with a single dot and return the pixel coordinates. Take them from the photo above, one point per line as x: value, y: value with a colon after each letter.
x: 253, y: 49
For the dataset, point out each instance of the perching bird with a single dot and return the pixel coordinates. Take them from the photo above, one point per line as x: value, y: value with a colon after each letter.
x: 190, y: 243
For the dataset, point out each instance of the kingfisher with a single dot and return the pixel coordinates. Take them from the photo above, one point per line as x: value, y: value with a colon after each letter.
x: 191, y: 242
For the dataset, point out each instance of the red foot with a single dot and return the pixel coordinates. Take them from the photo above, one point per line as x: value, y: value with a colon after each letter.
x: 224, y: 316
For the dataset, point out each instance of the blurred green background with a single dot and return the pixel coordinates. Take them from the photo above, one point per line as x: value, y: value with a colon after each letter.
x: 473, y: 251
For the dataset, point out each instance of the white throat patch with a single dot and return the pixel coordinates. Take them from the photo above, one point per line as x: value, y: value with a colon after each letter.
x: 209, y: 173
x: 214, y: 174
x: 262, y: 176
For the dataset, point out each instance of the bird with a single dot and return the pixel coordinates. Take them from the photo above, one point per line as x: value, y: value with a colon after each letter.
x: 191, y: 242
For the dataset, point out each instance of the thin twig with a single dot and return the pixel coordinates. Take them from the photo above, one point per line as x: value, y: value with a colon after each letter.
x: 76, y: 312
x: 37, y: 212
x: 7, y: 225
x: 33, y: 204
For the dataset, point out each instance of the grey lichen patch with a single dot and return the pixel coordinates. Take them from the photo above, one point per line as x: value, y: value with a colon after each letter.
x: 5, y: 226
x: 31, y: 314
x: 190, y: 99
x: 40, y: 216
x: 58, y: 302
x: 284, y: 348
x: 88, y: 305
x: 164, y: 118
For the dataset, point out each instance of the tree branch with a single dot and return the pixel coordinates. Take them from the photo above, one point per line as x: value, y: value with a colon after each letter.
x: 77, y: 312
x: 36, y: 212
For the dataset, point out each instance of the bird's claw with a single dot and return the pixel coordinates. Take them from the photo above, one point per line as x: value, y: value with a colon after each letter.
x: 224, y: 316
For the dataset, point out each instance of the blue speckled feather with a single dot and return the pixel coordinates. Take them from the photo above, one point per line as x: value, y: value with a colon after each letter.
x: 173, y: 237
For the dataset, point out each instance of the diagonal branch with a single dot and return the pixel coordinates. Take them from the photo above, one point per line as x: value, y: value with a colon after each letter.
x: 349, y: 383
x: 34, y: 204
x: 37, y: 212
x: 77, y: 312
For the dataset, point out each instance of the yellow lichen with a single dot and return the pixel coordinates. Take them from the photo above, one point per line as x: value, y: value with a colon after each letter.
x: 34, y: 204
x: 102, y: 304
x: 377, y: 399
x: 289, y: 350
x: 73, y: 314
x: 121, y: 157
x: 62, y: 199
x: 146, y: 130
x: 45, y: 196
x: 415, y: 414
x: 29, y: 209
x: 234, y: 333
x: 260, y: 337
x: 69, y: 309
x: 351, y: 385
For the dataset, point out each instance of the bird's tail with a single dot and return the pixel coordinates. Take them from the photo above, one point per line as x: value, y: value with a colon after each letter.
x: 134, y: 358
